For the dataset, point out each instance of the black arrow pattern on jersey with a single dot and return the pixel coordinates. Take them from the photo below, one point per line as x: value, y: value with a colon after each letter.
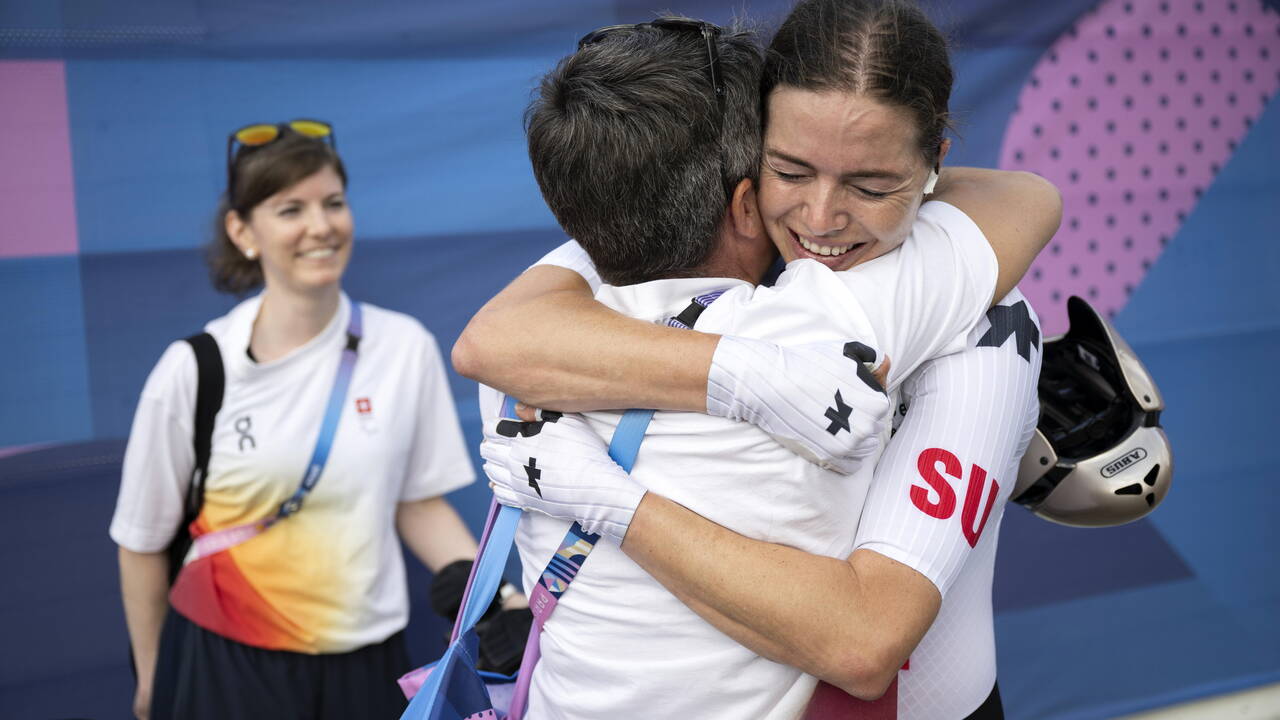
x: 520, y: 428
x: 862, y: 354
x: 534, y: 475
x: 839, y: 415
x: 1014, y: 320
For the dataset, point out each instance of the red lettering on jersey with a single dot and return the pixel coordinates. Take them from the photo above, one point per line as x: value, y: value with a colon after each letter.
x: 972, y: 497
x: 927, y: 464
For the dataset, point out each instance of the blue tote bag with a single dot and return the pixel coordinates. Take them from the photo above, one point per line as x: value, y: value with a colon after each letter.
x: 452, y: 688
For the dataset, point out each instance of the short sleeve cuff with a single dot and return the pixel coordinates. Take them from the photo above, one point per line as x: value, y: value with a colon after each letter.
x: 934, y: 571
x: 571, y: 256
x: 139, y: 539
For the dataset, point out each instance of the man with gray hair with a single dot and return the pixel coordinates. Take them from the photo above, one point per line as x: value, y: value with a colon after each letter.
x: 639, y: 141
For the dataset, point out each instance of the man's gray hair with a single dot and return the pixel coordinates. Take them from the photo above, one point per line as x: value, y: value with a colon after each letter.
x: 631, y: 151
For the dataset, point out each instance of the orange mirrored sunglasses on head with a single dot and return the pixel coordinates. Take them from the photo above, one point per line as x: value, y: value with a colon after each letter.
x: 260, y: 134
x: 263, y: 133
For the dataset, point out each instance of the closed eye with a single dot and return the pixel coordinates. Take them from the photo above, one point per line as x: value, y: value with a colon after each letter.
x: 790, y: 177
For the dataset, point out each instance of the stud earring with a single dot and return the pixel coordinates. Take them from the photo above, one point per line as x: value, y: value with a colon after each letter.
x: 251, y: 254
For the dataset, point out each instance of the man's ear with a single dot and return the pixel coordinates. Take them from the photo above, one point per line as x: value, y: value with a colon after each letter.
x: 743, y: 211
x: 752, y: 250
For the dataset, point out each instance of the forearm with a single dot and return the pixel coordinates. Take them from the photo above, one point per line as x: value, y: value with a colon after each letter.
x: 836, y: 619
x: 434, y: 532
x: 144, y: 588
x: 700, y: 577
x: 545, y: 340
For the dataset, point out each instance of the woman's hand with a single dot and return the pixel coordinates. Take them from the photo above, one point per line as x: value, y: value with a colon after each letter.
x: 142, y: 700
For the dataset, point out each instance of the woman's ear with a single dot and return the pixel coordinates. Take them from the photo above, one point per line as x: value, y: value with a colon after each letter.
x: 932, y: 181
x: 240, y: 235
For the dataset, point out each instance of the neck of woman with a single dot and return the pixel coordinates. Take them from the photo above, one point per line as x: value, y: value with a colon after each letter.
x: 287, y: 321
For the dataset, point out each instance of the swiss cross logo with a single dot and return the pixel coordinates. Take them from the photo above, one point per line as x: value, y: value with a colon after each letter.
x: 932, y: 464
x: 363, y: 406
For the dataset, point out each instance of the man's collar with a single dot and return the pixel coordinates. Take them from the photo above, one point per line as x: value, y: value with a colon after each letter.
x: 657, y: 300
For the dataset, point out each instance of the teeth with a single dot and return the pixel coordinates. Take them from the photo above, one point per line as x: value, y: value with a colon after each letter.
x: 323, y: 252
x: 822, y: 249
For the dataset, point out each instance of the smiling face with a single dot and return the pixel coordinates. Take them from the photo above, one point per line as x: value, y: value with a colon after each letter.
x: 842, y: 176
x: 302, y: 234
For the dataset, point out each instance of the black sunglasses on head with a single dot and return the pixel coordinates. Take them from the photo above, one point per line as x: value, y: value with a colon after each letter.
x: 708, y: 31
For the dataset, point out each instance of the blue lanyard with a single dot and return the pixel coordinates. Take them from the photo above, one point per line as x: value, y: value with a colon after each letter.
x: 328, y: 426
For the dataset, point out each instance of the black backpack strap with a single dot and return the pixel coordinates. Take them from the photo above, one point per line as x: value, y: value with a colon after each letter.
x: 210, y: 385
x: 211, y: 382
x: 689, y: 316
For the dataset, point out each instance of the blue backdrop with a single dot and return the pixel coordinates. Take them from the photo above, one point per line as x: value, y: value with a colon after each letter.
x: 113, y: 153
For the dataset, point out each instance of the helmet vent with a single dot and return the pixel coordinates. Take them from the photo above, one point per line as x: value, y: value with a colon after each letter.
x: 1152, y: 474
x: 1136, y: 489
x: 1150, y: 480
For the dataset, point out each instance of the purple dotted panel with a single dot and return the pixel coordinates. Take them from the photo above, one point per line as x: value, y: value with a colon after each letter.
x: 1132, y: 112
x: 37, y: 194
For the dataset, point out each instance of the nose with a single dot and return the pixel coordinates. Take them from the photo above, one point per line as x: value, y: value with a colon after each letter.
x: 826, y: 214
x: 318, y: 222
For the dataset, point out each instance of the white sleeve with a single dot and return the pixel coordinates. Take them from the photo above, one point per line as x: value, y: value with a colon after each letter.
x: 934, y: 290
x: 950, y: 468
x: 438, y: 462
x: 160, y: 457
x: 571, y: 256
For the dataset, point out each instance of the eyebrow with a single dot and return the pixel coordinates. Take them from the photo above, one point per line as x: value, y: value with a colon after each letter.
x: 862, y: 174
x: 293, y: 198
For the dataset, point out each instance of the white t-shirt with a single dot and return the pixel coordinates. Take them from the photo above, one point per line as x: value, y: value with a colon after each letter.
x: 329, y: 578
x: 619, y: 645
x: 939, y: 495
